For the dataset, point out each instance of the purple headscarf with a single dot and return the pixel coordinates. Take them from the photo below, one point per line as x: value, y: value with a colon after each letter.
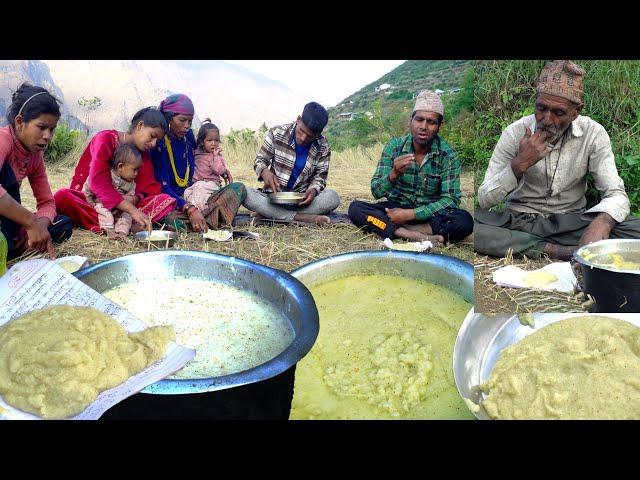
x: 178, y: 104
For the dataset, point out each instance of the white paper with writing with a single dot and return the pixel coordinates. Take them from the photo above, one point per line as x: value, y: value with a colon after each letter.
x: 34, y: 284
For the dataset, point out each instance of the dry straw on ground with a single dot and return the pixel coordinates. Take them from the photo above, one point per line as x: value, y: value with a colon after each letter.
x: 492, y: 299
x: 279, y: 246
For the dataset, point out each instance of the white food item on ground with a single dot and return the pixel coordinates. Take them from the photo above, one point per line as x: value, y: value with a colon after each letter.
x: 218, y: 235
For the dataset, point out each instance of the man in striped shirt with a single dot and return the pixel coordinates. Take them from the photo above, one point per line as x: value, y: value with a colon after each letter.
x: 295, y: 158
x: 420, y: 176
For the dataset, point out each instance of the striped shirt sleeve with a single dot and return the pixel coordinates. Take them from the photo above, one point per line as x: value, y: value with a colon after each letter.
x: 265, y: 155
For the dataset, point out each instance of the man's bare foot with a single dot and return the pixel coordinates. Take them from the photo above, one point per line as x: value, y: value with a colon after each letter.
x: 308, y: 218
x: 416, y: 236
x: 559, y: 252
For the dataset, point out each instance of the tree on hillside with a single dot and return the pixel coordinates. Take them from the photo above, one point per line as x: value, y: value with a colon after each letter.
x: 89, y: 105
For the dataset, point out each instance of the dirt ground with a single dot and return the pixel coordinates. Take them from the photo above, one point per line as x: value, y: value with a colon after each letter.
x: 280, y: 246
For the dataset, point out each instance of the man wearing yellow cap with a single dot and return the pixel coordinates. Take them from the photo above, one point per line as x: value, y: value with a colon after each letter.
x: 419, y: 174
x: 540, y: 166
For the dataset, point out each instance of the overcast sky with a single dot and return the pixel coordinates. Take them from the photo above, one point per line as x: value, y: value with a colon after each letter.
x: 324, y: 81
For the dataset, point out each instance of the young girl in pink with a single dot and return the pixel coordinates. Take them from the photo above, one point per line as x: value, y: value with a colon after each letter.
x: 211, y: 170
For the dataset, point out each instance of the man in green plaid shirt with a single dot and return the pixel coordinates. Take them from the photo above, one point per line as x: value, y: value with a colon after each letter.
x: 420, y: 176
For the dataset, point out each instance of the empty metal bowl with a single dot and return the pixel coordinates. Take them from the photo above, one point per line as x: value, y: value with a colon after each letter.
x: 286, y: 198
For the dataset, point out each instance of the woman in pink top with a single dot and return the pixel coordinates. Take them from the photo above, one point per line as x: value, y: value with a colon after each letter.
x: 33, y: 116
x: 147, y: 204
x: 211, y: 170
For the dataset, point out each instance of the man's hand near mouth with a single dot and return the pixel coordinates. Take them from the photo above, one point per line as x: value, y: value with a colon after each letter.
x: 533, y: 148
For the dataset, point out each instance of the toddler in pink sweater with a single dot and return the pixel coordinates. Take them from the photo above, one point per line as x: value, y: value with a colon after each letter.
x: 211, y: 169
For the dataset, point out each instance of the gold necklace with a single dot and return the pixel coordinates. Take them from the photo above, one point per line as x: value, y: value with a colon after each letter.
x: 181, y: 182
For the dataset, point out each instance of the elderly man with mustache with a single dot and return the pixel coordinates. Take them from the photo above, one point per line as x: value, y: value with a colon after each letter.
x: 540, y: 167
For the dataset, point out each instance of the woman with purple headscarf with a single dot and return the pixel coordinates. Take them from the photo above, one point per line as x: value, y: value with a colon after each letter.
x: 174, y: 166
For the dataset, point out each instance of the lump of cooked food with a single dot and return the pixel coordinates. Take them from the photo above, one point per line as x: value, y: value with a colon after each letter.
x: 231, y: 330
x: 384, y: 351
x: 594, y: 374
x: 538, y: 279
x: 55, y: 361
x: 615, y: 260
x: 527, y: 319
x: 622, y: 264
x: 69, y: 266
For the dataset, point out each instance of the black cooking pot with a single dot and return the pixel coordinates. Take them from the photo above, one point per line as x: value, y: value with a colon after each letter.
x: 614, y: 289
x: 268, y: 399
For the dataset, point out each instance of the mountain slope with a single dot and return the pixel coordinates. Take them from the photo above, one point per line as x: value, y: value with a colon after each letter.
x: 230, y: 95
x: 14, y: 72
x: 386, y: 103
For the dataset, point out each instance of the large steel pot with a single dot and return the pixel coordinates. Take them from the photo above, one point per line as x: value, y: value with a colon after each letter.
x: 482, y: 338
x: 443, y: 270
x: 614, y: 290
x: 449, y: 272
x: 264, y: 391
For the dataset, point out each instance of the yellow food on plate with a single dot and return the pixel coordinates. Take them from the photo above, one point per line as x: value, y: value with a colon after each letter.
x: 620, y: 262
x: 616, y: 260
x: 538, y: 279
x: 581, y: 368
x: 55, y: 361
x: 384, y: 351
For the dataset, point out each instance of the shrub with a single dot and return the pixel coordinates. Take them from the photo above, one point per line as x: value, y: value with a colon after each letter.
x: 64, y: 141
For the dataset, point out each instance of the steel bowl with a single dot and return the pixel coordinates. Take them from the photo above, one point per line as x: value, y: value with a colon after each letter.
x: 448, y: 272
x: 157, y: 238
x: 443, y: 270
x: 613, y: 289
x: 275, y: 286
x: 481, y: 338
x: 286, y: 198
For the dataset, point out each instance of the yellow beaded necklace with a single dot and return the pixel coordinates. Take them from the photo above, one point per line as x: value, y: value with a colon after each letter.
x: 181, y: 182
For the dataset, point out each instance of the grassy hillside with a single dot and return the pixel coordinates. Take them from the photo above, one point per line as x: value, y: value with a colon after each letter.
x: 378, y: 115
x: 406, y: 80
